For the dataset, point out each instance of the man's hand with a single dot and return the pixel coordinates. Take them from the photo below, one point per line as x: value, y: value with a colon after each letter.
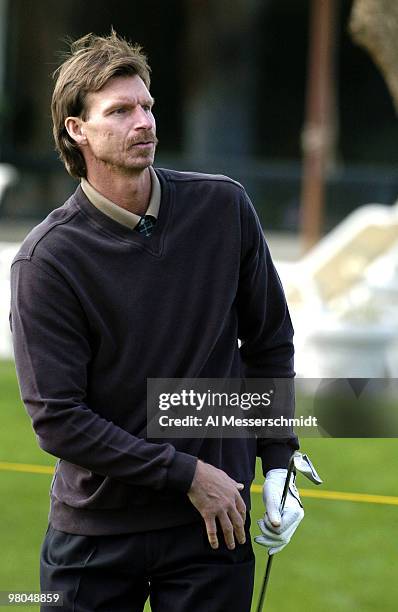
x: 215, y: 495
x: 278, y: 529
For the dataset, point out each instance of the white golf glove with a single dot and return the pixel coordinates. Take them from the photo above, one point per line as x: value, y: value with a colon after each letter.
x: 278, y: 529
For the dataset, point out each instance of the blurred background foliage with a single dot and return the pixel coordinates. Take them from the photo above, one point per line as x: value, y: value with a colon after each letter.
x: 230, y: 83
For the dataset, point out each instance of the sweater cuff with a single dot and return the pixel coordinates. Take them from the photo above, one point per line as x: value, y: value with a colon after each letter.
x: 181, y: 472
x: 276, y: 456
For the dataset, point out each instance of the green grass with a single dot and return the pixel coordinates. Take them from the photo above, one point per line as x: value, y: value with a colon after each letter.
x: 342, y: 558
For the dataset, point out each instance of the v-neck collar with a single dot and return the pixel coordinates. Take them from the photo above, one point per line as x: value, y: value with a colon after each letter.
x: 153, y: 244
x: 125, y: 217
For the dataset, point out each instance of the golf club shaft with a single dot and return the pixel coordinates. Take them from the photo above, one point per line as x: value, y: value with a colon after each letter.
x: 270, y: 557
x: 265, y: 583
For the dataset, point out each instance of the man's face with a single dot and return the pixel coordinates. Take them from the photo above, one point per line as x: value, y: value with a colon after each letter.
x: 120, y: 128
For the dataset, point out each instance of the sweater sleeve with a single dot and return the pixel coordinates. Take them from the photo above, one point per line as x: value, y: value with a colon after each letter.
x: 265, y: 329
x: 52, y: 349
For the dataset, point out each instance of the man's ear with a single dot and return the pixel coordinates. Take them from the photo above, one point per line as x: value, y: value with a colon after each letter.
x: 75, y: 129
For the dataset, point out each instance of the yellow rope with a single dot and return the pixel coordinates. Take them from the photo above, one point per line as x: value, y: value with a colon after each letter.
x: 26, y: 468
x: 342, y: 496
x: 367, y: 498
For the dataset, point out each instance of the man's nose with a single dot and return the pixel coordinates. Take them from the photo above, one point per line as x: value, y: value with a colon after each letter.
x: 142, y: 119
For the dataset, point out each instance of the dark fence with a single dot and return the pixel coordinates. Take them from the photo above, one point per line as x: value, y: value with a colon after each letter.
x: 274, y: 187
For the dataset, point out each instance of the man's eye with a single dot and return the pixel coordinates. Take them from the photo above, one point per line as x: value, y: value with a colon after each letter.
x: 147, y: 108
x: 119, y: 111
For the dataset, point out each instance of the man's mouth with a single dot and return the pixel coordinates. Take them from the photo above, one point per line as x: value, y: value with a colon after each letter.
x: 143, y: 143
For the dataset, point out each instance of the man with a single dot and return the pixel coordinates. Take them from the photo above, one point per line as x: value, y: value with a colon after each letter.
x: 141, y: 274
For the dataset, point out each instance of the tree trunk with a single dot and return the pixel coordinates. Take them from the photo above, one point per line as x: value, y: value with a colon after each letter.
x: 374, y: 26
x: 319, y: 134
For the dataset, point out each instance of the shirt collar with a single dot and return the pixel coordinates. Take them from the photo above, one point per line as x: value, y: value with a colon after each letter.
x: 121, y: 215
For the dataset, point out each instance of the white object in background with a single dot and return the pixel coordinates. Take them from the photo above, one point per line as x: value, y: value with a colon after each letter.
x: 8, y: 176
x: 347, y: 350
x: 340, y: 259
x: 8, y: 251
x: 382, y: 280
x: 345, y: 324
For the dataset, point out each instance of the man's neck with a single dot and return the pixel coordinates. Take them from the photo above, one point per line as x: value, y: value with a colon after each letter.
x: 131, y: 192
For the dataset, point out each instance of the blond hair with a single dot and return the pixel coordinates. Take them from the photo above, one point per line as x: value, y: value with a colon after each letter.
x: 90, y: 64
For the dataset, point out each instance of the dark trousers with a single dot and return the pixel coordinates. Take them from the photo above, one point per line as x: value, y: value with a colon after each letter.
x: 175, y: 567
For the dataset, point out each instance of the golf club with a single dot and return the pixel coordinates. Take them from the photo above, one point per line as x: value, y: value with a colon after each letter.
x: 301, y: 463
